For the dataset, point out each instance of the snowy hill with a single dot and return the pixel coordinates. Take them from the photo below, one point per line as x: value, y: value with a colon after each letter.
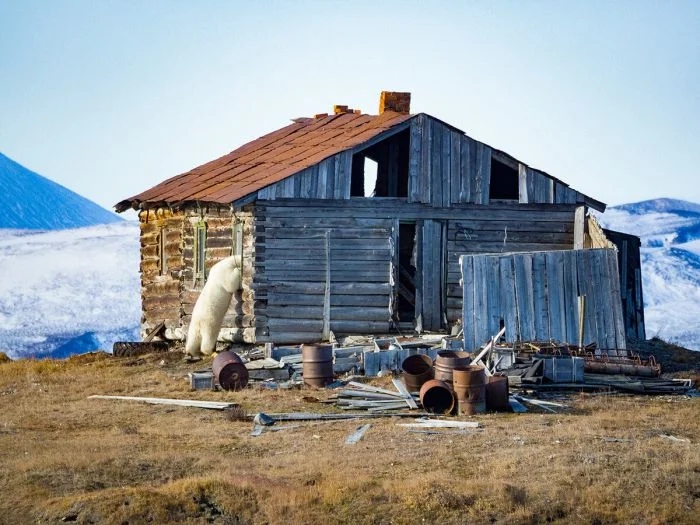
x: 33, y: 202
x: 69, y: 292
x: 670, y: 234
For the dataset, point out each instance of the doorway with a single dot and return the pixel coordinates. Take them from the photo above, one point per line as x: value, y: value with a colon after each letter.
x: 406, y: 289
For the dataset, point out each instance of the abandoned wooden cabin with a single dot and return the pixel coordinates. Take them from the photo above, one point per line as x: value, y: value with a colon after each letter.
x: 353, y: 223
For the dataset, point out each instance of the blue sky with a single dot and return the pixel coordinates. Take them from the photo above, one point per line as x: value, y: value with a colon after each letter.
x: 109, y: 98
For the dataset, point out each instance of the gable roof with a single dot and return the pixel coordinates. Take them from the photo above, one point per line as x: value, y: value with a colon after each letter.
x: 268, y: 159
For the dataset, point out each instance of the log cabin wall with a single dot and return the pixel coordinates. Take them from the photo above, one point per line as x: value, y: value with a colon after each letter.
x: 169, y: 282
x: 226, y: 234
x: 321, y: 266
x: 161, y: 264
x: 334, y: 265
x: 500, y: 229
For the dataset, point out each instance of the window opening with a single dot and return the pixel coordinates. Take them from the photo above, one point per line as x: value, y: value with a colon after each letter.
x: 200, y: 245
x: 504, y: 184
x: 370, y: 172
x: 381, y: 170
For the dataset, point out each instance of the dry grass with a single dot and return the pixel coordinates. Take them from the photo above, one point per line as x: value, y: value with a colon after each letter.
x: 65, y: 457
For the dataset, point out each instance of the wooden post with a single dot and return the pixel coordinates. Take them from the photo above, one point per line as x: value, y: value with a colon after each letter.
x: 581, y: 319
x: 327, y: 291
x: 579, y: 227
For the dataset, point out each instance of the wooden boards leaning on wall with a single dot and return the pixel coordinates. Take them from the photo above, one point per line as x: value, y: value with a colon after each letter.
x: 535, y: 296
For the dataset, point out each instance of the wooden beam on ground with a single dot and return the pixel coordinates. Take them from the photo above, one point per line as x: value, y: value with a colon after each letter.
x: 404, y: 393
x: 213, y: 405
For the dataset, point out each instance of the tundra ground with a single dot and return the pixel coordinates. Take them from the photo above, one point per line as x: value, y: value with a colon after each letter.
x: 67, y: 458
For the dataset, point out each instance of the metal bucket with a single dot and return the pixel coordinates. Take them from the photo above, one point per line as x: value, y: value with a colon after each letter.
x: 497, y: 394
x: 448, y: 360
x: 437, y: 397
x: 229, y: 371
x: 317, y: 364
x: 470, y: 387
x: 417, y: 369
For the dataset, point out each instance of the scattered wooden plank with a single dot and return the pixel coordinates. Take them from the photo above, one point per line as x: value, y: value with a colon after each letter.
x: 213, y: 405
x: 370, y: 388
x: 516, y: 406
x: 674, y: 438
x: 440, y: 423
x: 478, y: 359
x: 404, y: 393
x: 357, y: 434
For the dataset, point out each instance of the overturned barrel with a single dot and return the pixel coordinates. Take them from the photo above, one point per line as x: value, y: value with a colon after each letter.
x: 470, y: 387
x: 417, y: 369
x: 497, y: 394
x: 229, y: 371
x: 317, y: 364
x: 447, y: 361
x: 437, y: 397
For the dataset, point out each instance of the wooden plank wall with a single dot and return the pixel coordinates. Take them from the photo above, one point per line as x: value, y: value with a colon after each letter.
x: 296, y: 244
x: 502, y: 229
x: 446, y: 167
x: 629, y: 264
x: 535, y: 296
x: 329, y: 179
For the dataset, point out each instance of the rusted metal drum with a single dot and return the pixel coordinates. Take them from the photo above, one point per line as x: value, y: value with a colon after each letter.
x: 317, y: 364
x: 437, y: 397
x: 417, y: 369
x: 497, y: 394
x: 448, y: 360
x: 470, y: 387
x: 229, y: 371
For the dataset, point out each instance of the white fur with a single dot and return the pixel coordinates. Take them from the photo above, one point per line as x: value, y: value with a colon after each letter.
x: 209, y: 310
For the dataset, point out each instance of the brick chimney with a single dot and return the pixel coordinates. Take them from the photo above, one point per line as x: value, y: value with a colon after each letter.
x: 395, y: 101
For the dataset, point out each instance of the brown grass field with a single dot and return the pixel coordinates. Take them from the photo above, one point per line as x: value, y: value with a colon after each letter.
x: 67, y: 458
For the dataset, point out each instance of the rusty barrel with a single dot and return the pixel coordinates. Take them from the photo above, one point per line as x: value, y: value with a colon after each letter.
x: 229, y: 371
x: 417, y: 369
x: 470, y: 387
x: 497, y: 394
x: 447, y: 361
x: 317, y: 363
x: 437, y: 397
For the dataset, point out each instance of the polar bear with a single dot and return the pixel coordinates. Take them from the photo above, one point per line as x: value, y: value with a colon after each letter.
x: 211, y: 306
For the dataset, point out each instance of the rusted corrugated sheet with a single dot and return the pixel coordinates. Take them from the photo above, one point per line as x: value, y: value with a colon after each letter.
x: 267, y: 159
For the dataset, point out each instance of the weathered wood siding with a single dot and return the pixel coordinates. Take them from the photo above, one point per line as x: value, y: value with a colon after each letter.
x: 535, y: 296
x: 630, y: 266
x: 321, y: 266
x: 446, y: 167
x: 329, y: 179
x: 503, y: 229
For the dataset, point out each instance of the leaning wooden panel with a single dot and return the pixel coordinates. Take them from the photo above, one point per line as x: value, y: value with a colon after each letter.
x: 550, y: 281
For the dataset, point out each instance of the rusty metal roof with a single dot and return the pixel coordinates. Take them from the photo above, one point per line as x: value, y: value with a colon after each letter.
x: 267, y: 160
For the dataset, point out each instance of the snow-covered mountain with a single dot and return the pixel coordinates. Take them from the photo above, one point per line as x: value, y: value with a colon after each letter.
x: 69, y: 292
x: 670, y: 234
x: 33, y: 202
